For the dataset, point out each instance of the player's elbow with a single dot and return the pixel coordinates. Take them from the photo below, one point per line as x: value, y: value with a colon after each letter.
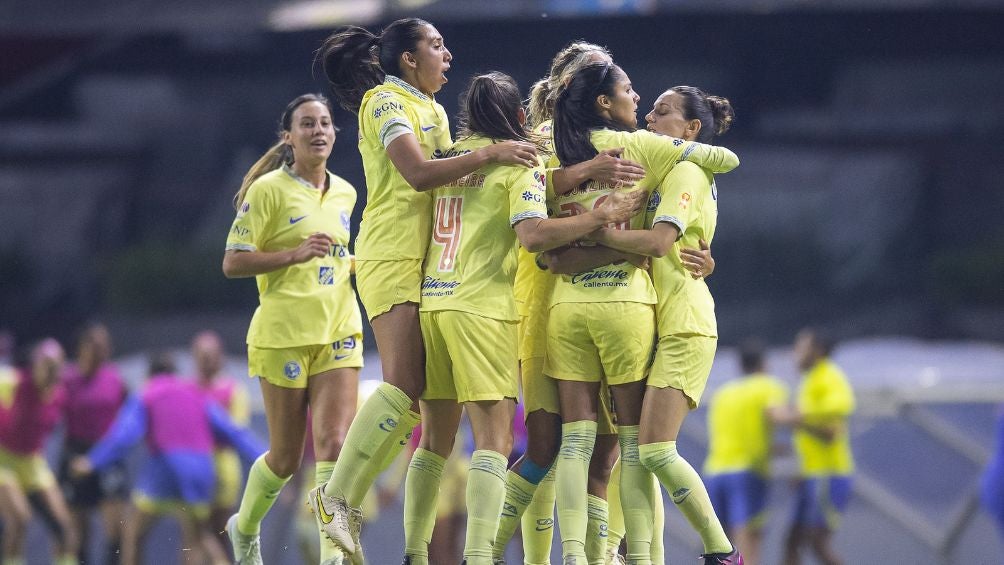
x: 231, y: 269
x: 660, y: 249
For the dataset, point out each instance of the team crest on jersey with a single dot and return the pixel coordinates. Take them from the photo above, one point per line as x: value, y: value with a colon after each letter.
x: 244, y: 209
x: 653, y: 202
x: 714, y: 191
x: 684, y: 201
x: 346, y: 223
x: 292, y: 370
x: 326, y: 275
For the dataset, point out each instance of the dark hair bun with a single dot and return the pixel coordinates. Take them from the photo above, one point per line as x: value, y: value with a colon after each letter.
x: 723, y: 113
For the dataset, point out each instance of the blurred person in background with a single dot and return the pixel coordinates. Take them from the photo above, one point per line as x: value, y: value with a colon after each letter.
x: 740, y: 444
x: 8, y: 372
x: 823, y: 403
x: 210, y: 357
x: 31, y: 406
x: 94, y: 394
x: 992, y: 491
x: 305, y: 338
x: 390, y: 81
x: 179, y: 423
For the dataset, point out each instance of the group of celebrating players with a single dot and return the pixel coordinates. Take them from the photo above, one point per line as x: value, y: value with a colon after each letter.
x: 554, y: 244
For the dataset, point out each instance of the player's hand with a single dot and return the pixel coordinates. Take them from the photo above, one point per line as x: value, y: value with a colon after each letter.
x: 699, y: 262
x: 513, y: 153
x: 316, y: 245
x: 610, y: 169
x: 80, y: 466
x: 622, y: 205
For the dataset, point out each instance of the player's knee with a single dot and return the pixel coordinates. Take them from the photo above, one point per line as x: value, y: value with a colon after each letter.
x: 328, y: 444
x: 284, y: 462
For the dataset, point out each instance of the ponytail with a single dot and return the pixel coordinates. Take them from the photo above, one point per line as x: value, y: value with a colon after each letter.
x: 575, y: 114
x: 537, y: 110
x: 279, y: 154
x: 350, y: 66
x: 566, y: 63
x: 355, y: 60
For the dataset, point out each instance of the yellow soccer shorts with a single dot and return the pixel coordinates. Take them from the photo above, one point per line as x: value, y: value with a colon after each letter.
x: 29, y: 472
x: 469, y: 358
x: 540, y: 392
x: 382, y: 284
x: 292, y: 367
x: 684, y: 362
x: 173, y: 507
x: 533, y: 334
x: 596, y: 342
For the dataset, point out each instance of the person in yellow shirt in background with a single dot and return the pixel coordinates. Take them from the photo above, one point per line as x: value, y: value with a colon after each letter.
x: 822, y: 445
x: 740, y: 430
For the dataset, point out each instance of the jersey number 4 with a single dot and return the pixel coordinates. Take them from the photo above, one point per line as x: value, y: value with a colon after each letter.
x: 446, y: 230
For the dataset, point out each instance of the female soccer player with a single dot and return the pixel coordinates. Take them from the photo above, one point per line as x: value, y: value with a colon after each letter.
x: 533, y: 291
x: 305, y: 340
x: 390, y: 81
x: 602, y: 320
x: 683, y: 213
x: 468, y: 311
x: 30, y: 408
x: 94, y: 394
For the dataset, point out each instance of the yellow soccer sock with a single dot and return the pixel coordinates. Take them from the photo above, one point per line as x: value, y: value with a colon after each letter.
x: 687, y: 490
x: 421, y: 496
x: 17, y: 560
x: 577, y: 442
x: 637, y: 495
x: 615, y: 519
x: 389, y: 451
x: 262, y: 488
x: 596, y: 530
x: 374, y: 426
x: 485, y: 496
x: 518, y: 495
x: 330, y: 553
x: 538, y: 523
x: 658, y: 525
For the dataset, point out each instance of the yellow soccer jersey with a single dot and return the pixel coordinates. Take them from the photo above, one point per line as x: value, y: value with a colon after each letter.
x: 471, y: 262
x: 824, y: 395
x: 311, y: 303
x: 739, y: 433
x: 533, y: 284
x: 688, y: 199
x: 658, y: 155
x: 397, y: 219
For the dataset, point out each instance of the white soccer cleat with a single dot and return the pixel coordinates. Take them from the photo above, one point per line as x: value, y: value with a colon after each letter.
x: 247, y: 549
x: 334, y: 518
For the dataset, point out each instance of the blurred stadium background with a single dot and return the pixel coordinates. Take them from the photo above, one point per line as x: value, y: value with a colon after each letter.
x: 869, y: 200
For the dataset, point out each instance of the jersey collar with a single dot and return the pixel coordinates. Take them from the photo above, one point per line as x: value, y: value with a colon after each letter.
x: 289, y: 171
x: 391, y: 79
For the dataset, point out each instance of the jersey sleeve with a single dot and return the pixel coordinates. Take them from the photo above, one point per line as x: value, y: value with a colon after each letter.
x: 676, y: 195
x: 250, y: 227
x: 386, y: 115
x: 660, y: 153
x: 527, y: 194
x: 126, y: 431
